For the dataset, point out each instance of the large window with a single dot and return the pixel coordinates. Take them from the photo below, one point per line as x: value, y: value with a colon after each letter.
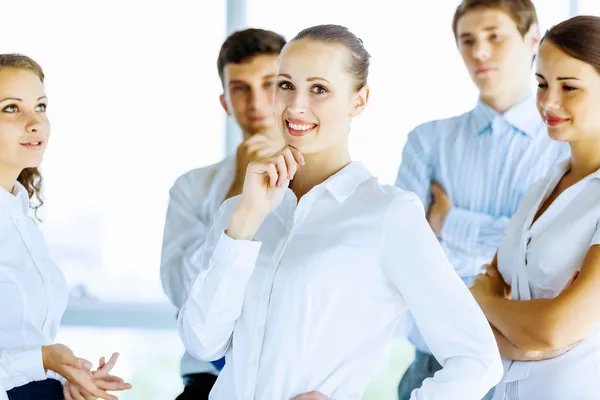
x: 133, y: 92
x: 551, y: 12
x: 589, y: 7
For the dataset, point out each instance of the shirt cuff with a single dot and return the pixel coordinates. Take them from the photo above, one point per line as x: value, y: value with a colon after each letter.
x: 240, y: 253
x: 55, y: 376
x: 459, y: 227
x: 27, y: 366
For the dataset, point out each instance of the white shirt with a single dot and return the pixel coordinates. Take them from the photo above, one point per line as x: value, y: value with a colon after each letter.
x: 311, y: 304
x: 485, y: 161
x: 194, y: 199
x: 33, y: 293
x: 560, y: 239
x: 3, y: 395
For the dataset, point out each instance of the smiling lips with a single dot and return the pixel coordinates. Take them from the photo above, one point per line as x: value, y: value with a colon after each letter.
x: 554, y: 121
x: 36, y: 144
x: 299, y: 128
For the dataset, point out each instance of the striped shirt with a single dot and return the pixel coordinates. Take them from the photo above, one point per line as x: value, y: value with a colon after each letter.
x: 485, y: 161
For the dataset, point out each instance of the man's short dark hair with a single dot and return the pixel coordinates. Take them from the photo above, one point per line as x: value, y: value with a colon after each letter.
x: 245, y: 44
x: 522, y: 12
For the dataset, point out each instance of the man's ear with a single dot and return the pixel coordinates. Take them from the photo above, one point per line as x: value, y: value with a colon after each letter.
x: 533, y: 37
x: 224, y: 103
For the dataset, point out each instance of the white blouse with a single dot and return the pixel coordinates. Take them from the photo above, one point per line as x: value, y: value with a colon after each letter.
x: 538, y: 261
x: 33, y: 293
x: 312, y: 303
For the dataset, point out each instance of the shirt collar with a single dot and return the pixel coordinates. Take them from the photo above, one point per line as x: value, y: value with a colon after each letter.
x: 18, y: 200
x: 344, y: 183
x: 524, y: 117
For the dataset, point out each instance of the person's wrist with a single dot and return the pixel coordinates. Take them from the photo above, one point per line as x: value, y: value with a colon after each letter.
x: 501, y: 292
x: 235, y: 189
x: 478, y: 291
x: 498, y: 287
x: 240, y: 168
x: 46, y: 357
x: 244, y: 222
x: 487, y: 301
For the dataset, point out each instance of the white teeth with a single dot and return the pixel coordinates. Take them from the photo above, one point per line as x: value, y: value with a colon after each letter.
x: 298, y: 127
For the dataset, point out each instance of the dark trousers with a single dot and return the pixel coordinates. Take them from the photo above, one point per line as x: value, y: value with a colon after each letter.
x: 197, y: 386
x: 423, y: 367
x: 49, y: 389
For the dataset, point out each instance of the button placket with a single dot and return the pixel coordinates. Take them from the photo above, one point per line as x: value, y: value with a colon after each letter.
x: 263, y: 309
x: 18, y: 223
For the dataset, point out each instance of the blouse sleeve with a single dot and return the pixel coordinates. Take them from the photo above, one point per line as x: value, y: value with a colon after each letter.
x: 18, y: 365
x: 451, y: 322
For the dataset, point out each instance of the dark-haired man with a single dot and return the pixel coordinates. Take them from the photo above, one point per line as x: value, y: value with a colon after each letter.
x: 471, y: 171
x: 247, y: 66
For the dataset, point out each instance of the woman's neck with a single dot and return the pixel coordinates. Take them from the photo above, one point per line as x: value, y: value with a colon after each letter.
x: 317, y: 169
x: 585, y: 157
x: 8, y: 179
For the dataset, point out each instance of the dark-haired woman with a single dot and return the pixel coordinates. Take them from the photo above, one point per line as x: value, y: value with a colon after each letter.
x: 542, y: 292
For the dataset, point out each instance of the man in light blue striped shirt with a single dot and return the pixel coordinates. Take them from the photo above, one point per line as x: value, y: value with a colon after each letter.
x: 472, y: 170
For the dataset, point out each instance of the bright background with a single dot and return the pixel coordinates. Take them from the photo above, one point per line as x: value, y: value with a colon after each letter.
x: 133, y: 91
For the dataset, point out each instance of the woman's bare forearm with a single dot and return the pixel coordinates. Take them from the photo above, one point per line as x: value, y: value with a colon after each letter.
x: 509, y: 351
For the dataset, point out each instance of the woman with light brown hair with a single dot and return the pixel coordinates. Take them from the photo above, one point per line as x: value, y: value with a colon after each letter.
x: 33, y: 291
x: 305, y: 276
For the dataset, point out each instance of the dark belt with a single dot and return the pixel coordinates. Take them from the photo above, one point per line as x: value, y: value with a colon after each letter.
x: 199, y: 380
